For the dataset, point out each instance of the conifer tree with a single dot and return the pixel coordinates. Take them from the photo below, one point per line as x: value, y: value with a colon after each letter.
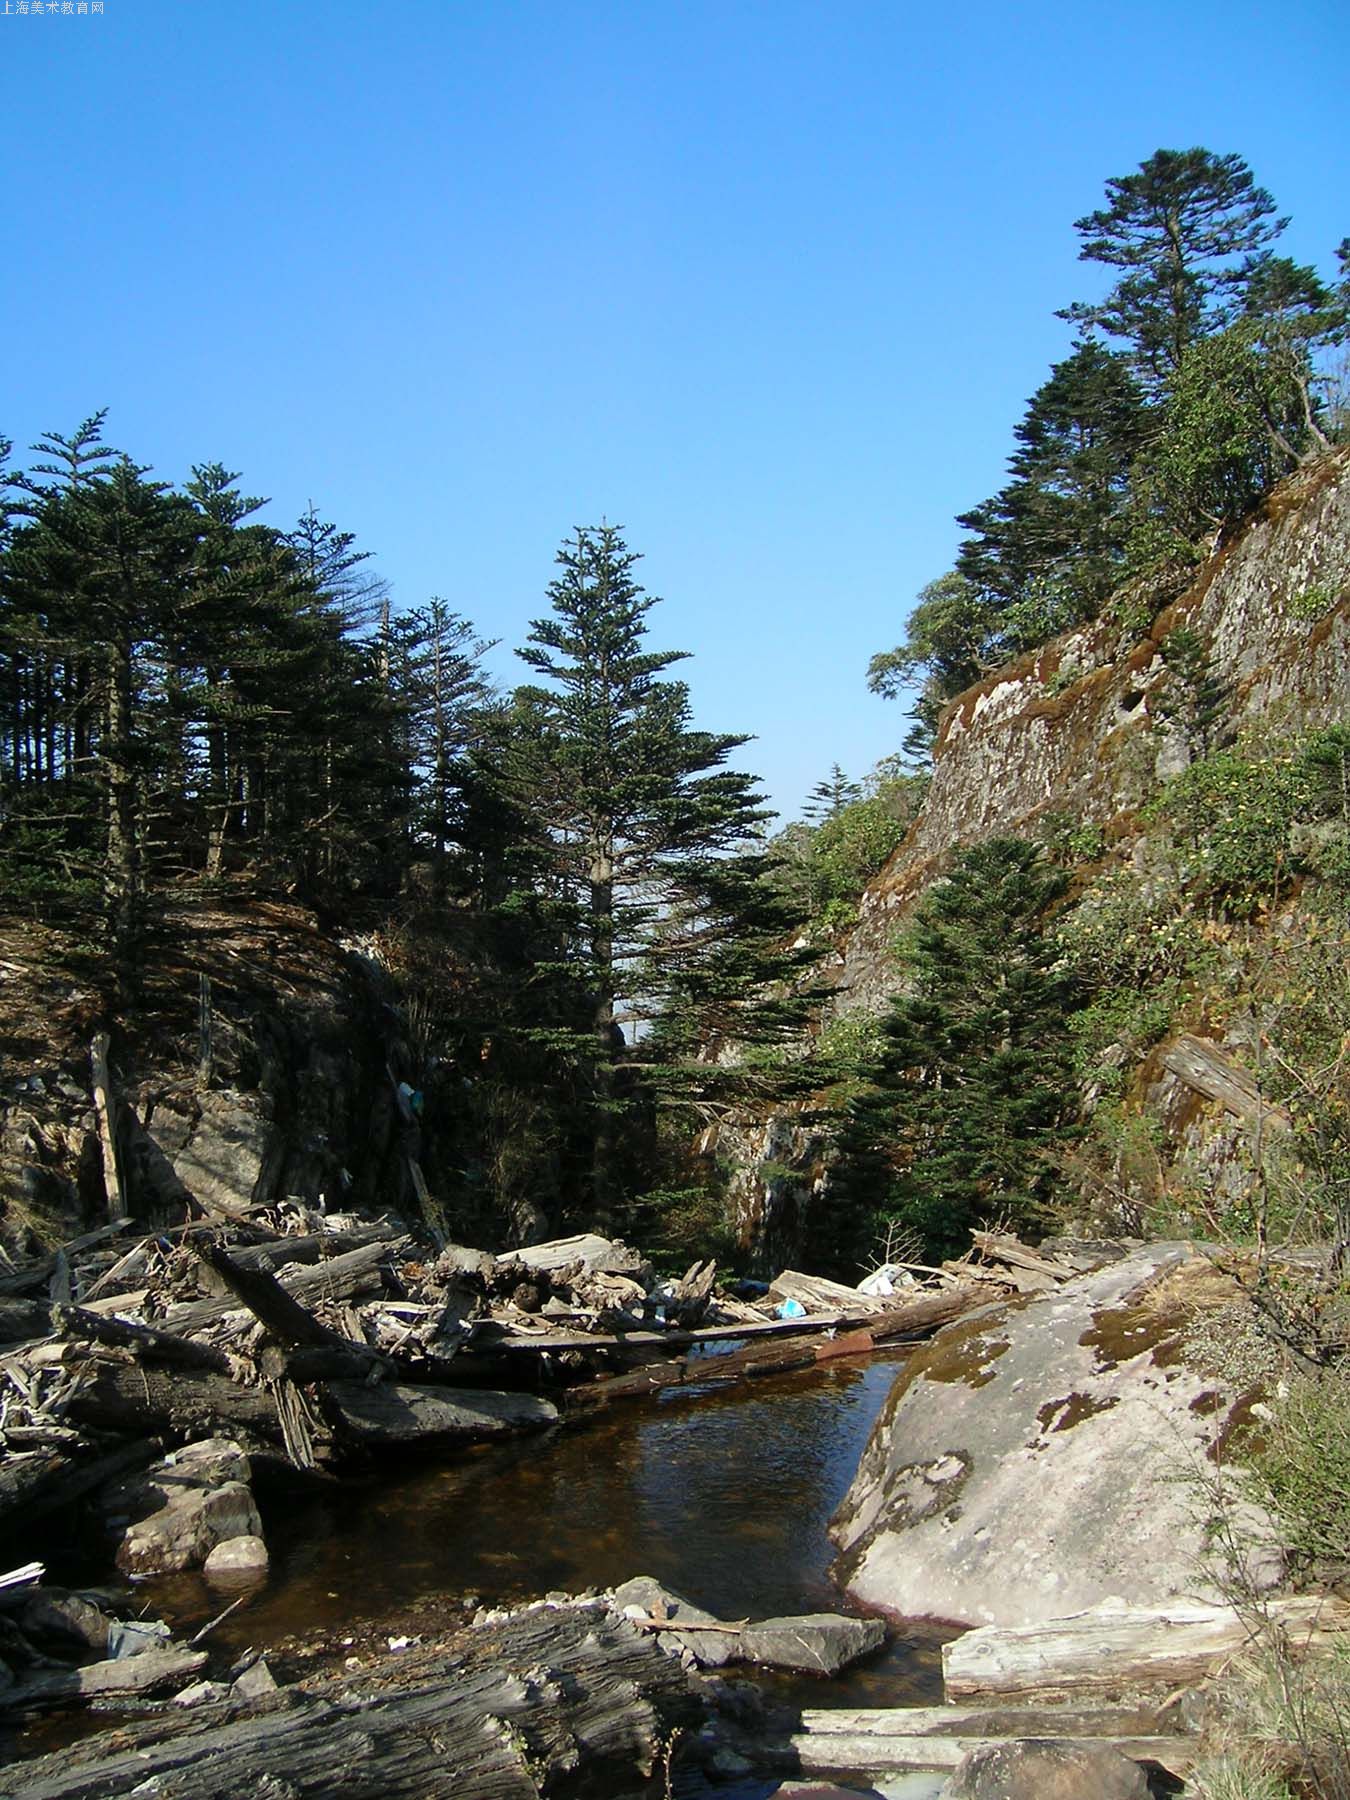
x: 1187, y: 229
x: 1050, y: 546
x: 973, y: 1080
x: 646, y: 845
x: 828, y: 798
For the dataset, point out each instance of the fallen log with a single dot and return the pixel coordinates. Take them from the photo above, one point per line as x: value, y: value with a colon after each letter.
x: 394, y: 1413
x: 805, y: 1347
x: 818, y: 1295
x: 496, y: 1716
x: 1130, y: 1650
x: 35, y: 1275
x: 128, y: 1675
x: 74, y: 1322
x: 124, y: 1393
x: 827, y: 1752
x: 339, y: 1279
x: 286, y: 1318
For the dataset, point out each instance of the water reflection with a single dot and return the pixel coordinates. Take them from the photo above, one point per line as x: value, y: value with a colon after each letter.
x: 724, y: 1497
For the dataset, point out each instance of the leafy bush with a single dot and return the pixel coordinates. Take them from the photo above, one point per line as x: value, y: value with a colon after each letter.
x: 1122, y: 933
x: 1302, y: 1466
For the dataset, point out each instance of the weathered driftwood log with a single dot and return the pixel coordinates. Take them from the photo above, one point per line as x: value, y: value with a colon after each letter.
x: 288, y: 1320
x: 129, y: 1675
x: 818, y: 1295
x: 390, y: 1412
x: 34, y: 1276
x: 890, y: 1740
x: 41, y: 1482
x: 573, y: 1692
x: 777, y: 1354
x: 834, y: 1752
x: 124, y: 1393
x: 145, y: 1341
x: 105, y: 1107
x: 314, y: 1247
x: 340, y: 1278
x: 1134, y: 1649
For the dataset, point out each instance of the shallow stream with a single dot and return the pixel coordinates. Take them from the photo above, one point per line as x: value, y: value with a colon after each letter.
x: 725, y: 1498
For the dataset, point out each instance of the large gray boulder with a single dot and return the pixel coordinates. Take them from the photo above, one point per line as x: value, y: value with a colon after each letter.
x: 1036, y: 1769
x: 1045, y: 1455
x: 174, y: 1515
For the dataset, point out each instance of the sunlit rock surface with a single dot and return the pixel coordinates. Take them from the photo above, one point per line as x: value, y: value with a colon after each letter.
x: 1046, y: 1455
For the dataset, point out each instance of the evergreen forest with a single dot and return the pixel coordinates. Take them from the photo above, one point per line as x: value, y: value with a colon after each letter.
x: 603, y: 947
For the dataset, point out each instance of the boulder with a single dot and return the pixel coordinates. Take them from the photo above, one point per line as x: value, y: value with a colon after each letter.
x: 817, y: 1643
x: 182, y: 1534
x: 235, y: 1559
x: 174, y: 1514
x: 1035, y: 1769
x: 645, y: 1598
x: 1032, y: 1460
x: 218, y: 1152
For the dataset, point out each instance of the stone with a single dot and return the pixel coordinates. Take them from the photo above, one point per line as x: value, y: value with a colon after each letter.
x: 49, y: 1612
x: 202, y: 1693
x: 237, y: 1558
x: 255, y: 1683
x: 644, y: 1597
x: 1020, y: 1470
x: 1033, y: 1769
x: 218, y: 1153
x: 816, y: 1643
x: 182, y: 1534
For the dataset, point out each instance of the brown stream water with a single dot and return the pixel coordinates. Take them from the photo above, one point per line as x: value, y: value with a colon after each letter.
x: 723, y: 1496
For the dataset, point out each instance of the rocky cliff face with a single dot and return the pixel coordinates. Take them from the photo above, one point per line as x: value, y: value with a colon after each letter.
x: 1075, y: 729
x: 298, y: 1100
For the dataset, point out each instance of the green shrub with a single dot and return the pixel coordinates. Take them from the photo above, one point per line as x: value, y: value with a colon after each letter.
x: 1303, y: 1467
x: 1123, y: 933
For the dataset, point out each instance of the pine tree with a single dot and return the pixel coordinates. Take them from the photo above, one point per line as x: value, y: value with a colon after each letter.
x: 1187, y: 229
x: 1195, y: 698
x: 646, y: 848
x: 1050, y: 546
x: 973, y: 1080
x: 828, y: 798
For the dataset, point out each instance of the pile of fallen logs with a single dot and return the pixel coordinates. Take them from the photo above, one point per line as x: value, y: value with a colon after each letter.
x: 315, y: 1337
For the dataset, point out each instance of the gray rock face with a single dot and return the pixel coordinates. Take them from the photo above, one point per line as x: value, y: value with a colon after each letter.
x: 1036, y: 1770
x: 220, y: 1153
x: 1076, y: 726
x: 173, y: 1516
x: 1038, y: 1458
x: 817, y: 1643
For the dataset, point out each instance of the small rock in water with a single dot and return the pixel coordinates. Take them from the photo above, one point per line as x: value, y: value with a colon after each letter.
x: 242, y: 1558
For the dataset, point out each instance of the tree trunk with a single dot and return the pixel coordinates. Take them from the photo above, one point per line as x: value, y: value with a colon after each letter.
x: 541, y: 1701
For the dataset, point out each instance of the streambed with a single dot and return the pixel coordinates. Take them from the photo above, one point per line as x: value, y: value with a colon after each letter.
x: 724, y: 1497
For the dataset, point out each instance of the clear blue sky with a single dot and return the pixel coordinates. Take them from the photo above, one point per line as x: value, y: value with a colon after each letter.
x: 769, y: 284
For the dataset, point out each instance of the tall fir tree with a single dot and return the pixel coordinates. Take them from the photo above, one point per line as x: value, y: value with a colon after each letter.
x: 1049, y: 547
x: 973, y: 1080
x: 647, y: 846
x: 1187, y: 229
